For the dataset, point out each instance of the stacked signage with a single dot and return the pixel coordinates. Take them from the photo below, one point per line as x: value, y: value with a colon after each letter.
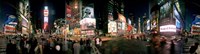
x: 10, y: 25
x: 195, y: 30
x: 46, y: 14
x: 88, y: 23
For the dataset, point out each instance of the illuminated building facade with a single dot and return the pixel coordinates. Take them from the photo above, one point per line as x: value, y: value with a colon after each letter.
x: 46, y: 18
x: 167, y: 17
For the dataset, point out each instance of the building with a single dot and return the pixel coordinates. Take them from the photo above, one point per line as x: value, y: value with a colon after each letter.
x: 167, y: 17
x: 25, y: 25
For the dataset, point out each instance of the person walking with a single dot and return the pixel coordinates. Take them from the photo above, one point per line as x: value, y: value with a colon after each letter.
x: 11, y: 47
x: 172, y: 49
x: 64, y: 46
x: 198, y: 50
x: 76, y: 47
x: 194, y: 48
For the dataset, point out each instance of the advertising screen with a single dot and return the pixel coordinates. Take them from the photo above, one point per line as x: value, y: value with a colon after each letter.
x: 165, y: 10
x: 195, y: 29
x: 10, y: 24
x: 88, y: 12
x: 24, y: 26
x: 88, y: 23
x: 112, y: 26
x: 178, y: 24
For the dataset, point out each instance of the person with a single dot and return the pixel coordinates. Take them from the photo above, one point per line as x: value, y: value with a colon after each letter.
x: 33, y: 46
x: 98, y: 42
x: 76, y: 47
x: 172, y: 49
x: 64, y: 46
x: 88, y: 45
x: 186, y: 40
x: 11, y: 47
x: 198, y: 50
x: 194, y: 48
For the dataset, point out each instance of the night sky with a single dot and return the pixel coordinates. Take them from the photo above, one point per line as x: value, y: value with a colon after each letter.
x: 57, y: 10
x: 6, y: 10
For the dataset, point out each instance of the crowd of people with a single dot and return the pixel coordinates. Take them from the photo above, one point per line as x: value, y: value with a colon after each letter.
x: 48, y: 45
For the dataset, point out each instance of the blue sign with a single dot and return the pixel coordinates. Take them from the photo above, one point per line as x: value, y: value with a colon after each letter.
x: 197, y: 20
x: 11, y: 18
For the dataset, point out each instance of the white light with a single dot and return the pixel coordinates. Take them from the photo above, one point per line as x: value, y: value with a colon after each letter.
x: 168, y: 28
x: 45, y: 19
x: 45, y: 7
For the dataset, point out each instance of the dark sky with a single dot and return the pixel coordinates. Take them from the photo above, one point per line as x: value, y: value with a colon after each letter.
x: 192, y: 9
x: 56, y: 11
x: 137, y: 8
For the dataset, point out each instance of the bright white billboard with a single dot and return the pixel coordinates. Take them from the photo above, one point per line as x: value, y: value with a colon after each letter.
x: 168, y: 28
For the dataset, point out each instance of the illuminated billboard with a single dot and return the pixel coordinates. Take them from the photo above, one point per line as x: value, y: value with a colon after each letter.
x: 46, y: 19
x: 165, y: 10
x: 88, y: 12
x: 10, y: 24
x: 168, y: 28
x: 195, y: 30
x: 112, y: 27
x: 88, y: 23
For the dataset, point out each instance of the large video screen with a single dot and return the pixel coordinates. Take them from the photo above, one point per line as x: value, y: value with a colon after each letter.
x: 165, y: 10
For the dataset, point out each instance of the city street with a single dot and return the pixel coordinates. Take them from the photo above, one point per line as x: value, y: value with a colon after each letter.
x: 99, y: 27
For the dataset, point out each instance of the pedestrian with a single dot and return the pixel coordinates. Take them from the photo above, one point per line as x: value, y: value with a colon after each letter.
x: 82, y: 45
x: 172, y: 49
x: 186, y: 40
x: 97, y: 42
x: 64, y: 46
x: 33, y: 46
x: 198, y: 50
x: 11, y: 47
x: 194, y: 48
x: 23, y: 44
x: 76, y: 47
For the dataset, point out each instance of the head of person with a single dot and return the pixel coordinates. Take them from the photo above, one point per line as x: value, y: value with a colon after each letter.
x: 196, y: 44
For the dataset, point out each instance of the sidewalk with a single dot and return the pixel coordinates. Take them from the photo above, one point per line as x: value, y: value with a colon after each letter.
x: 3, y: 44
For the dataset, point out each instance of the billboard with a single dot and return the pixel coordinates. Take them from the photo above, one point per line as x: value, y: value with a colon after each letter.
x: 46, y: 14
x: 165, y: 10
x: 168, y: 28
x: 88, y: 12
x: 112, y: 26
x: 88, y: 21
x: 195, y: 29
x: 10, y: 24
x: 24, y: 26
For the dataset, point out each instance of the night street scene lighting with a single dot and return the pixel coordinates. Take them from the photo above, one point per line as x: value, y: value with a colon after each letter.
x: 99, y: 27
